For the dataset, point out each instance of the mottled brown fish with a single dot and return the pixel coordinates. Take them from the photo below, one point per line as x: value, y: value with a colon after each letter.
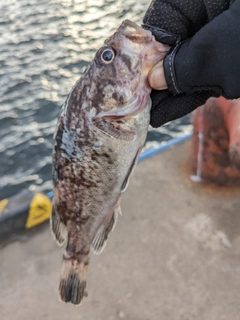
x: 99, y: 136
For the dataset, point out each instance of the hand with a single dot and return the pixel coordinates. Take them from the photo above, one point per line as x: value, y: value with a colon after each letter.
x: 204, y: 60
x: 156, y: 77
x: 167, y: 106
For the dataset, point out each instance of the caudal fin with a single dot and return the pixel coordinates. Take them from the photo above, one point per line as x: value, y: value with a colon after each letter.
x: 72, y: 287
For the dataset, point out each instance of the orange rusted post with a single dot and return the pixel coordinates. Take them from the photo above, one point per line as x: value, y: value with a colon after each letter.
x: 215, y: 150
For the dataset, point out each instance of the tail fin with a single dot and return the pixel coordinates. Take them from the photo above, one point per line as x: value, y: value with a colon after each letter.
x: 72, y: 287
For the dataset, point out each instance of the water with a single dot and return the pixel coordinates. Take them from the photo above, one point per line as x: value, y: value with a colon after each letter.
x: 45, y: 46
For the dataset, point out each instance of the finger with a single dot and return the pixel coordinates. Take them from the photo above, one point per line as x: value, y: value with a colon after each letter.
x: 156, y: 77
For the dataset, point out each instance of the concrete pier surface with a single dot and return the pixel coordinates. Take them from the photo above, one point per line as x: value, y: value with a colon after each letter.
x: 174, y: 255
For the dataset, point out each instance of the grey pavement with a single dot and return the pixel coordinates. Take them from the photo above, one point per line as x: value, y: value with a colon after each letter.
x: 174, y: 255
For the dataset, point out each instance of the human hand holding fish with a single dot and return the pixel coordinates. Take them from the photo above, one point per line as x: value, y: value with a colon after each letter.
x: 156, y: 77
x: 99, y: 135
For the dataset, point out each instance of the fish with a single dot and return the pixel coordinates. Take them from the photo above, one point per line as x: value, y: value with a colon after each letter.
x: 100, y: 132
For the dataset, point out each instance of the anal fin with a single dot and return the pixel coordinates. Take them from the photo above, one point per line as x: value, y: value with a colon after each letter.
x: 101, y: 237
x: 59, y: 230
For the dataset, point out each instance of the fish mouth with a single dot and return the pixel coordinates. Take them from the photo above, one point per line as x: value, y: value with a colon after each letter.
x: 136, y: 105
x: 133, y: 32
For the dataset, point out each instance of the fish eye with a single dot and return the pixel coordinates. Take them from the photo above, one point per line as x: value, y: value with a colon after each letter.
x: 108, y: 55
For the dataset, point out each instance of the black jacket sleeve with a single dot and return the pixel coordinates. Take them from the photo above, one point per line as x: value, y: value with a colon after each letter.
x: 207, y: 64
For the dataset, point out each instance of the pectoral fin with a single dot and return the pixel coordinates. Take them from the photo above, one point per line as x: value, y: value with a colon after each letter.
x: 59, y: 230
x: 115, y: 130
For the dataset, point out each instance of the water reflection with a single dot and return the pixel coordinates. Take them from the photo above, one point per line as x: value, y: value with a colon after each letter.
x: 45, y: 46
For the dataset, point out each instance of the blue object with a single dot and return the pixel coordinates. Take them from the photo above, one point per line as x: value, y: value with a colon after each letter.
x: 165, y: 145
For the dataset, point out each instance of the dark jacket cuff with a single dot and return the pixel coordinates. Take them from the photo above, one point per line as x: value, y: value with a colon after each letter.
x: 169, y: 70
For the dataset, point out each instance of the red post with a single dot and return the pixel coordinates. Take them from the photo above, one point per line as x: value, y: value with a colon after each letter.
x: 215, y: 150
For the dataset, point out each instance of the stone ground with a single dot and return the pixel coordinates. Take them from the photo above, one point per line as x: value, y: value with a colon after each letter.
x: 174, y: 255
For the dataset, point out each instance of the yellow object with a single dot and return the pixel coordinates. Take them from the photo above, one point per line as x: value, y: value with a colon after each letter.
x: 40, y: 210
x: 3, y: 204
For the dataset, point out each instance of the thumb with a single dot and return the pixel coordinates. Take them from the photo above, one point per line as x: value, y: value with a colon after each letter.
x: 156, y: 77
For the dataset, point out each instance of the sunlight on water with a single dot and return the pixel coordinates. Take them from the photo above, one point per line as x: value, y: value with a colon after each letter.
x: 45, y: 46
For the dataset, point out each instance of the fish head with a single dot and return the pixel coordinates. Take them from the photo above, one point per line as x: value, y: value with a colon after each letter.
x: 120, y: 70
x: 138, y: 46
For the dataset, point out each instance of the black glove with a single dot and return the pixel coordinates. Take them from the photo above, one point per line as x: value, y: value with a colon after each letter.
x: 203, y: 66
x: 167, y: 107
x: 171, y: 104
